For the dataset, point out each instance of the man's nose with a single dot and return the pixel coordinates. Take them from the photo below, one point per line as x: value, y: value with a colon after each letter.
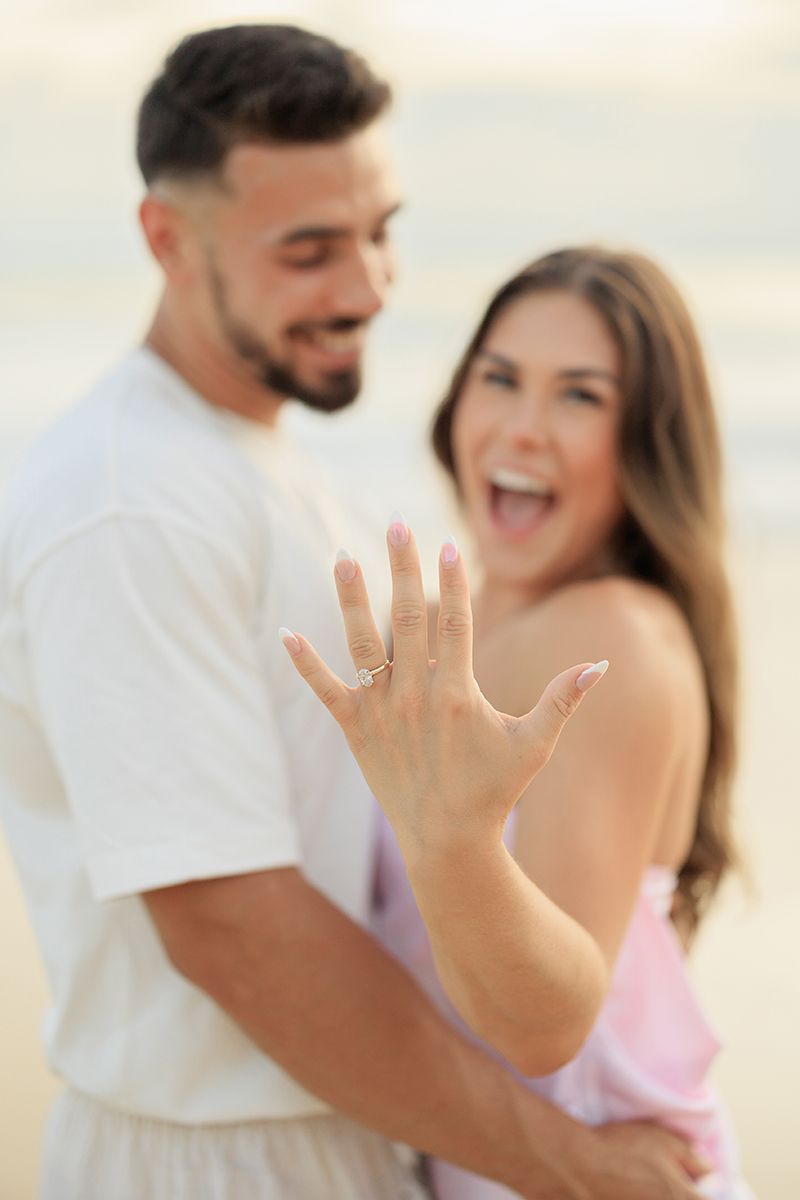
x: 365, y: 281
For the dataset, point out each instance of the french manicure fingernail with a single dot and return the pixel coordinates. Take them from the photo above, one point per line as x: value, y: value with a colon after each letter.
x: 345, y: 567
x: 290, y: 641
x: 449, y: 551
x: 590, y: 676
x: 398, y: 530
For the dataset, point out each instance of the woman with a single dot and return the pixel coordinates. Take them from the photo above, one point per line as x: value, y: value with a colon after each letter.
x: 581, y: 437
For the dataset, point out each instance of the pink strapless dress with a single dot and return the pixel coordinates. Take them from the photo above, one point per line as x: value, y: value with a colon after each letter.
x: 646, y: 1058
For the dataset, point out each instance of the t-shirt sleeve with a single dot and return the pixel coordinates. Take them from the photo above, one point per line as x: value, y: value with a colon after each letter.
x: 143, y: 645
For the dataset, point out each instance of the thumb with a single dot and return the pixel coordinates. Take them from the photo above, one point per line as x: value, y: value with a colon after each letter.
x: 543, y: 724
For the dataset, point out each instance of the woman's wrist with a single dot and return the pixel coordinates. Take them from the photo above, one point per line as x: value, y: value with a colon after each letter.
x: 436, y: 851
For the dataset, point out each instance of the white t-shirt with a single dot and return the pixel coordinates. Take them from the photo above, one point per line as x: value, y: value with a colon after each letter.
x: 153, y: 729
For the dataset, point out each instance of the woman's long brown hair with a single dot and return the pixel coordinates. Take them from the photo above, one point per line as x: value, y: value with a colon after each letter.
x: 670, y: 470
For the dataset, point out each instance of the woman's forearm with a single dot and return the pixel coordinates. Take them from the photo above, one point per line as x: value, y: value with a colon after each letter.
x: 523, y: 974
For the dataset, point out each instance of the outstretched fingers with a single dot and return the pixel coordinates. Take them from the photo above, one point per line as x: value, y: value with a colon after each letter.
x: 340, y: 700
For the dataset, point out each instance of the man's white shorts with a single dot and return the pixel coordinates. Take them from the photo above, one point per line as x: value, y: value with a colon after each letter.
x: 93, y: 1152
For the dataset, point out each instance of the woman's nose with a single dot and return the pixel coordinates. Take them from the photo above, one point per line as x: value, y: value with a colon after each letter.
x: 528, y: 421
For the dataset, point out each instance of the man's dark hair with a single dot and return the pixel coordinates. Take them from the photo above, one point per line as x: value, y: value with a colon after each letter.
x: 259, y: 83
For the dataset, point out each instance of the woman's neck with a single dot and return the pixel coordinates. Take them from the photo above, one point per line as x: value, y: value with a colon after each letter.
x: 496, y: 603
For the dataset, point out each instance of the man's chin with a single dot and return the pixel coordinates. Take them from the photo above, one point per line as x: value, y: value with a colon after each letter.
x: 333, y: 393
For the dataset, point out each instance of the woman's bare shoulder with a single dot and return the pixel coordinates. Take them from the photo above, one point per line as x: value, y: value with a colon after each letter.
x: 639, y: 629
x: 629, y: 613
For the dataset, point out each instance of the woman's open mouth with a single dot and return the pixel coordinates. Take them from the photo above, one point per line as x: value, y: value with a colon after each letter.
x: 518, y: 502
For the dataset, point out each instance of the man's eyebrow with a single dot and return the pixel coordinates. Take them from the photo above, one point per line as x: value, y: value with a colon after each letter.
x: 319, y: 232
x: 311, y: 233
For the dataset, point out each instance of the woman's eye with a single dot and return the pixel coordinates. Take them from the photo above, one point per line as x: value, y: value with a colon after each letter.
x: 582, y: 395
x: 499, y: 379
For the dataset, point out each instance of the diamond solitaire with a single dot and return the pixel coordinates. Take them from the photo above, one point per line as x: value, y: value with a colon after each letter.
x: 365, y: 676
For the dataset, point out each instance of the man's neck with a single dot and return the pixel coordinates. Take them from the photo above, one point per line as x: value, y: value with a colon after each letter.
x: 218, y: 378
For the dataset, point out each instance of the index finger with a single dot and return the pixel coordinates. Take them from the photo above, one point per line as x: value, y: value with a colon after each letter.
x: 454, y: 650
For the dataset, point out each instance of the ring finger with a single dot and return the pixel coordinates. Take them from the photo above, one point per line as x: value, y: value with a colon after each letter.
x: 364, y: 642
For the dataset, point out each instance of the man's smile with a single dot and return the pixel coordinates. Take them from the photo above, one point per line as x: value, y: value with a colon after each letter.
x: 340, y: 343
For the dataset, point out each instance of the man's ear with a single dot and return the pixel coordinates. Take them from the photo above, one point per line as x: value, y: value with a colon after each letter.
x: 168, y: 237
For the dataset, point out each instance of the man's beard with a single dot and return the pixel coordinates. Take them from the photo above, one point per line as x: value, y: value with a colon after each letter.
x: 340, y: 387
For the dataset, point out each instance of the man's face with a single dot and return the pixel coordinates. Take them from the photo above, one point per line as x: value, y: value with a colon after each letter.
x: 294, y: 260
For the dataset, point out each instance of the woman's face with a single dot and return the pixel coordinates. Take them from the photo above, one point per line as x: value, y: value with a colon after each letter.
x: 534, y: 443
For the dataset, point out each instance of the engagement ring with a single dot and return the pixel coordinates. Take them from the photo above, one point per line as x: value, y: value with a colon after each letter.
x: 365, y: 676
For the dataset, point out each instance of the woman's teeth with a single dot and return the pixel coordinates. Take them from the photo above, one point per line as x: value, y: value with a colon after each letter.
x: 518, y: 500
x: 509, y: 480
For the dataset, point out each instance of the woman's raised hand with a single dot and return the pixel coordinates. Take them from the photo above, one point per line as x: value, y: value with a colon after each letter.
x: 444, y: 765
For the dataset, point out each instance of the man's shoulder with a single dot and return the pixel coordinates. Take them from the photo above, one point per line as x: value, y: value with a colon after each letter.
x: 141, y: 443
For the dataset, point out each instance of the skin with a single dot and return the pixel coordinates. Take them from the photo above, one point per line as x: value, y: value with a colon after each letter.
x: 290, y: 246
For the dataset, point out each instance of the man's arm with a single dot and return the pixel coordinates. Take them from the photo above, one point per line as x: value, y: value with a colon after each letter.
x: 322, y: 998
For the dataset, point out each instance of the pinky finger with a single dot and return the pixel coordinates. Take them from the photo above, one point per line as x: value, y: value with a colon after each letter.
x: 339, y: 699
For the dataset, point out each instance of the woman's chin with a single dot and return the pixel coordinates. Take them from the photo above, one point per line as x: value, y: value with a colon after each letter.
x: 505, y: 572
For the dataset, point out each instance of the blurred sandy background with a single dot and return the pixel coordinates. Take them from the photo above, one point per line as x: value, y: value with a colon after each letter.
x: 673, y: 125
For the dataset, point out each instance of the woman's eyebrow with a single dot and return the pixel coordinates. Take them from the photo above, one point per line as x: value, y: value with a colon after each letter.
x: 500, y: 359
x: 582, y: 372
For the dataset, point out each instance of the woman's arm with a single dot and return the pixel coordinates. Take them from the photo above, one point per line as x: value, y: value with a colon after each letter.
x: 448, y: 768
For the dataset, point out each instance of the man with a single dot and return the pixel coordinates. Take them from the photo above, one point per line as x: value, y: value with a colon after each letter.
x: 191, y: 833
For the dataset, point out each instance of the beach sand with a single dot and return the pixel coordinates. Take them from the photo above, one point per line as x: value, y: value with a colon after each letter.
x: 747, y: 962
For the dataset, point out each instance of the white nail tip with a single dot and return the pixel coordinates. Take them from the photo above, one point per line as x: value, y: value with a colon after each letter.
x: 342, y: 554
x: 449, y: 551
x: 396, y: 519
x: 591, y: 675
x: 289, y: 640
